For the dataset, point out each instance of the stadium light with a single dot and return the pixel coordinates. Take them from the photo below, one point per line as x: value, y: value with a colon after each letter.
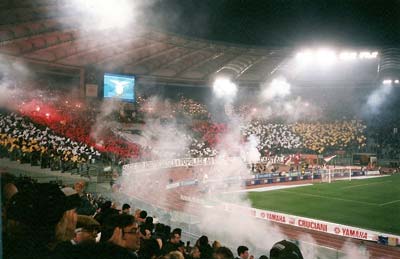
x: 396, y: 81
x: 108, y: 14
x: 387, y: 82
x: 326, y: 57
x: 305, y: 57
x: 368, y: 55
x: 224, y: 87
x: 345, y: 55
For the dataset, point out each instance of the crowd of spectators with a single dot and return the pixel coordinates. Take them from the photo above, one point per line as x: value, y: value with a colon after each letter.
x: 278, y: 138
x: 327, y: 137
x: 45, y: 220
x: 76, y: 119
x: 22, y: 140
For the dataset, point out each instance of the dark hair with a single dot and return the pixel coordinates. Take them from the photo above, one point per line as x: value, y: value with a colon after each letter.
x: 263, y: 257
x: 143, y: 229
x: 203, y: 241
x: 167, y: 230
x: 126, y: 206
x: 224, y: 252
x: 242, y: 249
x: 177, y: 231
x: 285, y: 250
x: 149, y: 220
x: 115, y: 221
x: 143, y: 214
x: 159, y: 228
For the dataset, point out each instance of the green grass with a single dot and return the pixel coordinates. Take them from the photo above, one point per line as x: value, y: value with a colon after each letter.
x: 370, y: 203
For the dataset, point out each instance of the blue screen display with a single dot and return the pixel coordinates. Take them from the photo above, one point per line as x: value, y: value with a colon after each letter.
x: 119, y: 87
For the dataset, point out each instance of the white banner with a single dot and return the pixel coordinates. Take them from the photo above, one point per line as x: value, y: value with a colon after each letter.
x: 302, y: 222
x: 163, y: 164
x: 313, y: 224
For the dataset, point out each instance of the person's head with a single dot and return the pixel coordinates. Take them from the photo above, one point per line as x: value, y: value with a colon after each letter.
x: 79, y: 186
x: 86, y: 229
x: 223, y: 253
x: 106, y: 205
x: 145, y: 232
x: 122, y: 230
x: 137, y: 213
x: 174, y: 238
x: 177, y: 231
x: 149, y: 220
x: 263, y: 257
x: 45, y: 211
x: 216, y: 244
x: 285, y: 250
x: 175, y: 255
x: 203, y: 241
x: 243, y: 252
x: 167, y: 230
x: 126, y: 209
x: 196, y: 252
x: 142, y: 215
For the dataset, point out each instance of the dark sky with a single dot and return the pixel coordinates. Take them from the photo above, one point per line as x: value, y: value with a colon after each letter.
x: 283, y: 22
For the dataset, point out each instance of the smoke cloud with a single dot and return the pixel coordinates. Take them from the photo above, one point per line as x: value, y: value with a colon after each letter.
x: 377, y: 98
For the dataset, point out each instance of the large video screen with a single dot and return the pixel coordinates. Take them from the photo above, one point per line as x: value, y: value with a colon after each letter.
x: 119, y: 87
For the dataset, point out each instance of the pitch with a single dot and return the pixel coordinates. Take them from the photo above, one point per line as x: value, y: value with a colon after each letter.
x: 372, y: 204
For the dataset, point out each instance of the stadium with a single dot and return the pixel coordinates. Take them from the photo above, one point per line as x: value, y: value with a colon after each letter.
x: 236, y: 139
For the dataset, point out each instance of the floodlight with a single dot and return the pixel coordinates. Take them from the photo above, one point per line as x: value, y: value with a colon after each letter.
x: 396, y: 81
x: 107, y: 13
x: 326, y: 57
x: 305, y: 56
x: 224, y: 87
x: 368, y: 55
x: 387, y: 82
x: 348, y: 55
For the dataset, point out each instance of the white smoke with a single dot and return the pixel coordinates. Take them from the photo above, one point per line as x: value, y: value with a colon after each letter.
x: 250, y: 152
x: 353, y: 251
x: 278, y: 88
x: 104, y: 14
x: 290, y: 110
x: 377, y: 98
x: 13, y: 75
x: 103, y: 121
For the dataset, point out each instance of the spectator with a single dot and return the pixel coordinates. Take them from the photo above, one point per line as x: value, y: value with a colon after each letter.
x: 142, y: 217
x: 223, y: 253
x: 85, y: 233
x: 216, y: 244
x: 86, y: 230
x: 105, y: 211
x: 126, y: 209
x: 86, y: 207
x: 285, y: 250
x: 205, y: 248
x: 120, y: 237
x: 173, y: 243
x: 175, y: 255
x: 195, y: 253
x: 37, y: 219
x: 243, y: 252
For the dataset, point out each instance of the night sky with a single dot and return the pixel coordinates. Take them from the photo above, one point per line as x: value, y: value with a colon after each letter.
x: 283, y: 22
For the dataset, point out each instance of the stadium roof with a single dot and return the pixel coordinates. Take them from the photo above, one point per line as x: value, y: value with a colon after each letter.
x: 42, y: 33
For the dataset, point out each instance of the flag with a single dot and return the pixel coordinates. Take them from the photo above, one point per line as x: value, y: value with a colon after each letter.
x: 329, y: 158
x: 287, y: 160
